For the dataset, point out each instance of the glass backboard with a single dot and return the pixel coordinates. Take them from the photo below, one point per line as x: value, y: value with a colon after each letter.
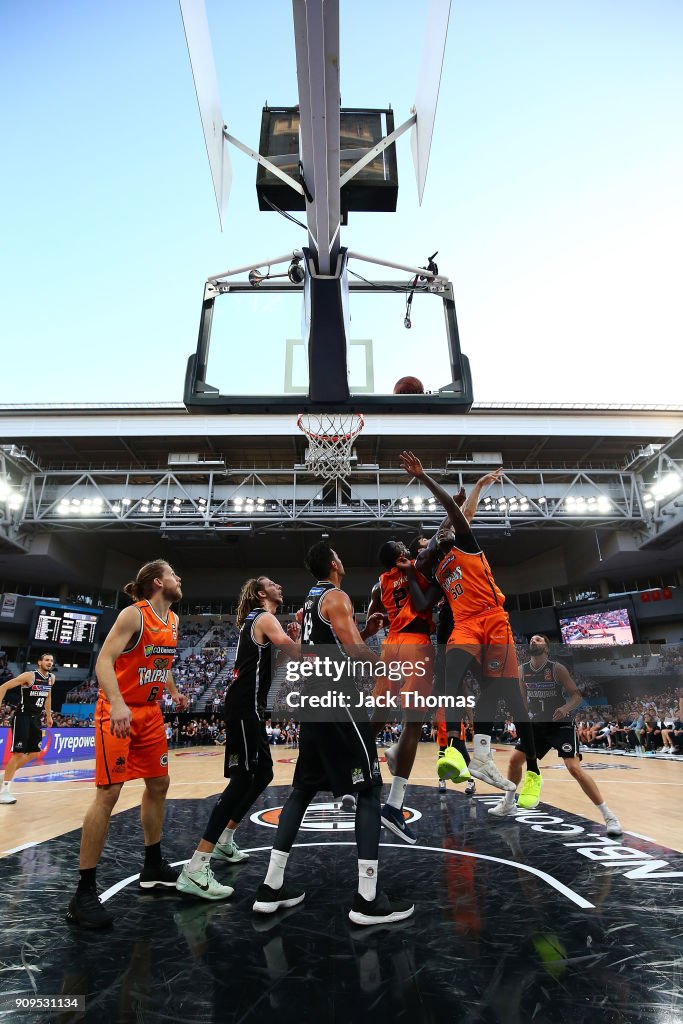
x: 252, y: 355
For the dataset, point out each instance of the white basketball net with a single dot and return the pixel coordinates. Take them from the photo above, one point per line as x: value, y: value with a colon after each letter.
x: 330, y: 440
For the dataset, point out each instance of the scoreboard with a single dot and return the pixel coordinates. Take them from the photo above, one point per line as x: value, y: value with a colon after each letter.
x: 64, y: 628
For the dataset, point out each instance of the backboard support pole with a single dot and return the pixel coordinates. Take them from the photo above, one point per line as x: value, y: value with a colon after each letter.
x: 316, y: 37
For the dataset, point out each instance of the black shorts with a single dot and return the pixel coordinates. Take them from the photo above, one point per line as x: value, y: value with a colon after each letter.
x: 561, y: 736
x: 246, y: 746
x: 337, y: 757
x: 27, y: 734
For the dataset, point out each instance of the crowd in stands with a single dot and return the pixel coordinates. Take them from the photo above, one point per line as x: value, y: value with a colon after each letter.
x: 194, y: 673
x: 86, y: 693
x: 283, y: 733
x: 190, y: 635
x: 197, y: 732
x: 647, y: 723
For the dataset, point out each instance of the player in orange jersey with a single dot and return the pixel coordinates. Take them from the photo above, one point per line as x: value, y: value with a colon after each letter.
x: 481, y: 640
x: 408, y: 643
x: 133, y: 668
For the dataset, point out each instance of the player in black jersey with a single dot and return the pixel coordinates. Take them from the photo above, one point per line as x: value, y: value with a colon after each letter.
x: 551, y: 695
x: 340, y: 755
x: 34, y: 698
x: 248, y: 761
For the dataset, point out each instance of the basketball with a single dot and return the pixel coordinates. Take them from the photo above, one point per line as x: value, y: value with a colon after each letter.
x: 409, y: 386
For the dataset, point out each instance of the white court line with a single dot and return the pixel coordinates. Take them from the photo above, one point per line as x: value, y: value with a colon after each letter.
x: 639, y: 835
x: 17, y: 849
x: 553, y: 882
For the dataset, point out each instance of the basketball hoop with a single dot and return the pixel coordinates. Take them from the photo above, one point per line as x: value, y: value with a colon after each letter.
x: 330, y: 438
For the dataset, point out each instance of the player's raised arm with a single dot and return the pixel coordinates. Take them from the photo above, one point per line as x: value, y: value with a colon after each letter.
x: 339, y: 612
x: 469, y: 507
x: 21, y: 680
x: 413, y: 467
x: 268, y: 627
x: 376, y: 605
x: 122, y: 632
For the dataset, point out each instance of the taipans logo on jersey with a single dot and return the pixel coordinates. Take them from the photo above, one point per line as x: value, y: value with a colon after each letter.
x: 158, y: 674
x: 323, y: 817
x: 174, y: 628
x: 151, y: 649
x: 453, y: 576
x: 548, y: 675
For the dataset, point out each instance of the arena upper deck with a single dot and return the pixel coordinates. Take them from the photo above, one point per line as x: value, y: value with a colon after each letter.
x: 547, y: 451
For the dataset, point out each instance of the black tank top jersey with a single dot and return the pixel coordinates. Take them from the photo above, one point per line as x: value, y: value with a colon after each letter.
x: 33, y: 698
x: 248, y: 692
x: 544, y: 692
x: 315, y: 629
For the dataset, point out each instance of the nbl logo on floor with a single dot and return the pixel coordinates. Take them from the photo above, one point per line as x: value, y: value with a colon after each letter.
x: 329, y: 816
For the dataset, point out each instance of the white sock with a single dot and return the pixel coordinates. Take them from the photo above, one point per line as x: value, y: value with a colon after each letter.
x: 482, y: 745
x: 226, y: 836
x: 276, y: 869
x: 6, y: 784
x: 367, y: 878
x: 199, y: 859
x: 396, y: 795
x: 605, y: 811
x: 509, y: 798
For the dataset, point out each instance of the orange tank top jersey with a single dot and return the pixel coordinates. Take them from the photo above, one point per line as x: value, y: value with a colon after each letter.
x: 141, y: 670
x: 467, y: 581
x: 396, y: 600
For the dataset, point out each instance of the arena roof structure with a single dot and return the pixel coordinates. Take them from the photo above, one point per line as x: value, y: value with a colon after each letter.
x: 588, y: 492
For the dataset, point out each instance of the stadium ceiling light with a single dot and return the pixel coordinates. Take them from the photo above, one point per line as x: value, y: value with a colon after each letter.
x: 670, y: 484
x: 126, y: 502
x: 15, y: 501
x: 542, y: 500
x: 604, y: 503
x: 116, y: 508
x: 5, y: 490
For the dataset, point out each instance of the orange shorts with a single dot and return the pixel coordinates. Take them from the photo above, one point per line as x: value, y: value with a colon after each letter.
x: 142, y: 755
x: 413, y: 654
x: 488, y: 637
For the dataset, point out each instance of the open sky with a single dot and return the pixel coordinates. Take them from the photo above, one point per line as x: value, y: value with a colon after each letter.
x: 554, y: 192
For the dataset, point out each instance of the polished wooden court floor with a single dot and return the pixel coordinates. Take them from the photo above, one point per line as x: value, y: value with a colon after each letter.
x: 645, y: 793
